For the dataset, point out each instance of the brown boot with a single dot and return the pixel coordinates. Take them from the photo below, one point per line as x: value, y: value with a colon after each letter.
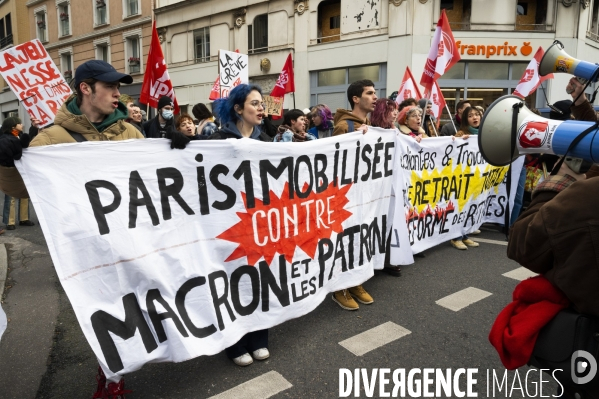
x: 345, y: 300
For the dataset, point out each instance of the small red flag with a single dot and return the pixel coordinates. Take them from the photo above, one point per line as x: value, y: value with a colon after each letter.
x: 437, y: 100
x: 531, y: 80
x: 285, y: 83
x: 215, y: 92
x: 157, y: 82
x: 443, y: 54
x: 408, y: 88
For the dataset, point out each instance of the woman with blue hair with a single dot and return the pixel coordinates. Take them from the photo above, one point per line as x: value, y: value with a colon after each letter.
x: 240, y: 115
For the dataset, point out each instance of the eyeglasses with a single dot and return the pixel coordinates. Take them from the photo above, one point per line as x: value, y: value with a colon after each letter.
x: 257, y: 104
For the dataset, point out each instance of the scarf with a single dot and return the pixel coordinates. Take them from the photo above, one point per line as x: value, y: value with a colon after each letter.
x: 15, y: 132
x: 296, y: 136
x: 473, y: 130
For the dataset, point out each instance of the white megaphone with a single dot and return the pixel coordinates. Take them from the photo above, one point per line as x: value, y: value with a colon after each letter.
x: 556, y: 59
x: 534, y: 134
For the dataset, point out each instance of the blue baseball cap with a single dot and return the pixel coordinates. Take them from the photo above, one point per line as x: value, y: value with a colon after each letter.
x: 101, y: 71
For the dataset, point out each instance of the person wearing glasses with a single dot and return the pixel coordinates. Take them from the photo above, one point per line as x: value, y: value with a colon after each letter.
x: 241, y: 114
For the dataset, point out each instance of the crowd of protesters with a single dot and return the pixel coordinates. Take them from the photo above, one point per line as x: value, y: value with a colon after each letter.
x: 112, y: 116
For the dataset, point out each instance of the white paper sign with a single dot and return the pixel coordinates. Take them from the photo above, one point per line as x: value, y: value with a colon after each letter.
x: 168, y: 255
x: 233, y: 70
x: 31, y: 74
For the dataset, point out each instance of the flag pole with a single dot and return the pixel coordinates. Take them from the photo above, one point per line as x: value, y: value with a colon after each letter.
x: 294, y: 101
x: 452, y: 122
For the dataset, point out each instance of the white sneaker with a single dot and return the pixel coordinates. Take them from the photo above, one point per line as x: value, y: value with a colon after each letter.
x: 261, y: 354
x: 475, y: 232
x: 243, y: 360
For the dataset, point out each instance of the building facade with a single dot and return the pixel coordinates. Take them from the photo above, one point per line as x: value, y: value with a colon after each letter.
x: 335, y: 42
x: 14, y: 29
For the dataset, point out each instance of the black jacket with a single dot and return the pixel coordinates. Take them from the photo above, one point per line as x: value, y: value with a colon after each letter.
x: 12, y: 147
x: 229, y: 131
x: 153, y: 130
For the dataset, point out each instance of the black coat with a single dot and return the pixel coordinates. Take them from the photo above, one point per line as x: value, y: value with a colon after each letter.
x: 229, y: 131
x: 12, y: 147
x: 153, y: 130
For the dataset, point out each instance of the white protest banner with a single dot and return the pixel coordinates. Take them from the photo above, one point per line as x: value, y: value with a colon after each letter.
x: 168, y: 255
x: 233, y: 70
x: 31, y: 74
x: 449, y: 189
x: 3, y: 322
x: 496, y: 210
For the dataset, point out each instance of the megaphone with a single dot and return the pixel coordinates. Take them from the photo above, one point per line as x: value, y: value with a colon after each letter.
x: 534, y: 134
x: 556, y: 59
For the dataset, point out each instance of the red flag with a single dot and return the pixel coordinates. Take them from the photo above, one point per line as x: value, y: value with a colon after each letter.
x: 408, y: 88
x: 443, y: 53
x: 437, y: 100
x: 215, y: 92
x: 157, y: 82
x: 530, y: 79
x: 285, y: 83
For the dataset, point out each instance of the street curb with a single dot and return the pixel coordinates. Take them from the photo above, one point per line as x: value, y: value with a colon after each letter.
x: 3, y: 267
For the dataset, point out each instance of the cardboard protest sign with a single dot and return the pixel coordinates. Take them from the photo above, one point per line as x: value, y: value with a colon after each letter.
x: 448, y: 189
x: 233, y: 70
x: 169, y: 255
x: 34, y: 78
x: 273, y: 105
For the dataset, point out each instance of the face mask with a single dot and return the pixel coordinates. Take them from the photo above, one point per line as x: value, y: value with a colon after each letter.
x: 168, y: 115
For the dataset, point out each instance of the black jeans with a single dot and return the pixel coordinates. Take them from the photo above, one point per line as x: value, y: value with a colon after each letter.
x: 248, y: 343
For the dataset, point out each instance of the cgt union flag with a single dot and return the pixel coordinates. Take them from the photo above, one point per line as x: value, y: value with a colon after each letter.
x: 442, y: 55
x: 285, y: 83
x: 530, y: 79
x: 157, y: 82
x: 437, y: 100
x: 408, y: 88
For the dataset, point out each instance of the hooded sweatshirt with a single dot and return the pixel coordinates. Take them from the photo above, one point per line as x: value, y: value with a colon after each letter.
x: 341, y: 118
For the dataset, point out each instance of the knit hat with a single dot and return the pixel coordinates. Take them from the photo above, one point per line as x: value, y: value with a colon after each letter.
x: 564, y: 107
x: 422, y: 103
x: 164, y: 101
x: 406, y: 112
x: 9, y: 124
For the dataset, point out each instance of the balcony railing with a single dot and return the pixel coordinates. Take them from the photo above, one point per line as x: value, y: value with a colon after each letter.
x: 6, y: 41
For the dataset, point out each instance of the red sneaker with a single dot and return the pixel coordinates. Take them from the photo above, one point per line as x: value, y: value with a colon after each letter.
x: 101, y: 389
x: 114, y: 390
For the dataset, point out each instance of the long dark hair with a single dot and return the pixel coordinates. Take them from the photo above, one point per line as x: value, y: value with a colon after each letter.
x: 464, y: 122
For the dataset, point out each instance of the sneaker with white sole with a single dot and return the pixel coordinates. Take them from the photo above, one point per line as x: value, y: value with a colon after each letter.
x: 470, y: 243
x: 458, y: 244
x: 361, y: 295
x: 475, y: 232
x: 261, y: 354
x: 243, y: 360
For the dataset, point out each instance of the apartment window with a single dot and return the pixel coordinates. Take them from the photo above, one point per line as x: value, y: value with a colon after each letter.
x: 131, y: 7
x: 531, y: 15
x: 5, y: 31
x: 258, y: 35
x: 66, y: 65
x: 458, y: 13
x: 329, y: 21
x: 42, y: 29
x: 201, y: 39
x: 133, y: 54
x: 102, y: 52
x: 64, y: 19
x: 101, y: 12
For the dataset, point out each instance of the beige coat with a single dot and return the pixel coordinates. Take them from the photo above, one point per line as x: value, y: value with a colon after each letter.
x: 11, y: 182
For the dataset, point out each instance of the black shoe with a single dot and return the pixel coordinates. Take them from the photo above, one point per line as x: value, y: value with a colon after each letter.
x: 10, y: 227
x: 393, y: 270
x: 26, y: 223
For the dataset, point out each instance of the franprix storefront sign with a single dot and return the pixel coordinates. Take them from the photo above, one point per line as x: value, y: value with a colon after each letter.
x: 504, y: 49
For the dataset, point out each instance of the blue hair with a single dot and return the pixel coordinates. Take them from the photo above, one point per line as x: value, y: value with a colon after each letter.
x: 225, y: 107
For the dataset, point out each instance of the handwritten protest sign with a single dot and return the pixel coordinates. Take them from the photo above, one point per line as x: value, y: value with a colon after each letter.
x: 173, y: 259
x: 273, y: 105
x: 34, y: 78
x: 449, y: 189
x: 233, y: 70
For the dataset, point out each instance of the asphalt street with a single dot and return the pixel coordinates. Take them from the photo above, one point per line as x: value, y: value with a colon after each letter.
x: 44, y: 354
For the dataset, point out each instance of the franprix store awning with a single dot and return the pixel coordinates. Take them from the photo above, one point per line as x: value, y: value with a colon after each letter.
x: 489, y: 69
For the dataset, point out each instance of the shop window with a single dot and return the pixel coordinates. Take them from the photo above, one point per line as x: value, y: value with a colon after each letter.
x: 458, y: 13
x: 531, y: 15
x: 488, y: 70
x: 258, y: 35
x: 201, y: 39
x: 455, y: 72
x: 329, y: 21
